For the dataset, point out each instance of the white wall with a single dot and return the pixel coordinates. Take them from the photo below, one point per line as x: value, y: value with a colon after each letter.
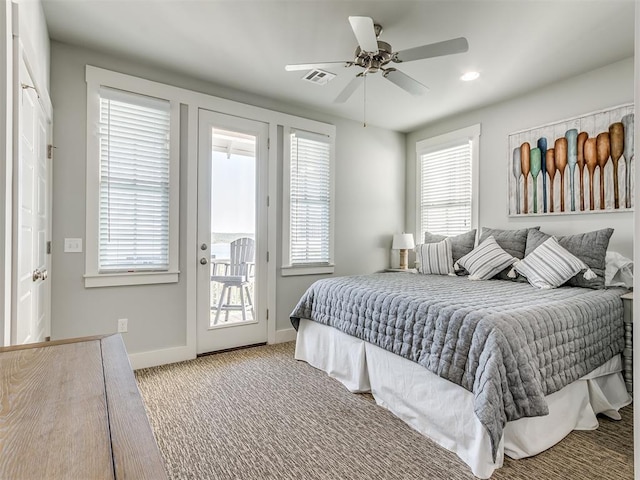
x: 369, y: 208
x: 605, y: 87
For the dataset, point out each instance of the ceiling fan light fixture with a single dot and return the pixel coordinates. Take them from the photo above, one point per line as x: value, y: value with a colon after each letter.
x: 470, y: 76
x: 373, y: 56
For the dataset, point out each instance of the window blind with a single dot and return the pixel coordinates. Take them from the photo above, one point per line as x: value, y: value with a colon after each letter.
x: 134, y: 182
x: 310, y: 199
x: 446, y: 190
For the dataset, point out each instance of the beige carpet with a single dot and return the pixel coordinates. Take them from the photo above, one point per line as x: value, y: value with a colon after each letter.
x: 259, y: 414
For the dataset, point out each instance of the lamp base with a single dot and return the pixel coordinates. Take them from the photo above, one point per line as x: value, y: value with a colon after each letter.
x: 403, y: 259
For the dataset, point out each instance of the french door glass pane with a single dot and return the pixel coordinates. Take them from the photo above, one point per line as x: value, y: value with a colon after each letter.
x: 233, y: 219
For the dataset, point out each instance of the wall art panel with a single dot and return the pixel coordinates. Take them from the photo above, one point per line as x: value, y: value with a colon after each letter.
x: 580, y: 165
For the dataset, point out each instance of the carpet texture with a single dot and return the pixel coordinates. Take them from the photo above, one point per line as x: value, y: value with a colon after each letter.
x: 259, y: 414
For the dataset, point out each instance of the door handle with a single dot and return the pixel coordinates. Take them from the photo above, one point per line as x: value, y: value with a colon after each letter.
x: 203, y: 261
x: 39, y: 275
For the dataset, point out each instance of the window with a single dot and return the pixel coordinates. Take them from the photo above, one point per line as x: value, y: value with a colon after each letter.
x: 447, y: 182
x: 131, y: 219
x: 308, y: 240
x: 134, y: 182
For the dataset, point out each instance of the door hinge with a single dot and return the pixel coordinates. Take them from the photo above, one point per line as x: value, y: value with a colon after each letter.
x: 268, y: 143
x: 267, y: 314
x: 267, y: 256
x: 49, y: 247
x: 267, y: 200
x: 50, y: 151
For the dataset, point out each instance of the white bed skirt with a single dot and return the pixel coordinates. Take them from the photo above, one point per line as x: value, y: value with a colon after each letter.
x: 443, y: 411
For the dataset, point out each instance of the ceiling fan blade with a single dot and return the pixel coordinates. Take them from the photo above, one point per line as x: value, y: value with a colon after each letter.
x: 351, y: 87
x: 405, y: 82
x: 311, y: 66
x: 365, y: 33
x: 448, y: 47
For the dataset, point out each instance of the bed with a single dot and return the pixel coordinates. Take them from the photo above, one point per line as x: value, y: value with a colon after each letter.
x: 484, y: 368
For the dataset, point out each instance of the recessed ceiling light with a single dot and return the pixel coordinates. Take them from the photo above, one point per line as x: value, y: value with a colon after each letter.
x: 467, y: 77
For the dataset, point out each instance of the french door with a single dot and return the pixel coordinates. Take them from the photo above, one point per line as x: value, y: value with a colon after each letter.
x: 232, y: 231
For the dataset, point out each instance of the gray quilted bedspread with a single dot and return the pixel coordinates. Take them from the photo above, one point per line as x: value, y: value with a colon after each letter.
x: 506, y: 342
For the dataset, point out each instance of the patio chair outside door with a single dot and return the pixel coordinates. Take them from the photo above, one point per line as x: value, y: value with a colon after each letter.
x: 238, y: 274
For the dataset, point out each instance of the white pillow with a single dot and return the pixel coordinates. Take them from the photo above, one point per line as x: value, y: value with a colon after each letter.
x: 618, y: 271
x: 550, y: 265
x: 486, y: 260
x: 435, y: 258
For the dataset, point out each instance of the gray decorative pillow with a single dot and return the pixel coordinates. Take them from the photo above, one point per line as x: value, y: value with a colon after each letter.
x: 460, y: 244
x: 486, y: 260
x: 551, y: 265
x: 590, y: 247
x: 514, y: 242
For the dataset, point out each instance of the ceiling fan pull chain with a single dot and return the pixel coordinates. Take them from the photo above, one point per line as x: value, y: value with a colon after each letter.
x: 364, y: 107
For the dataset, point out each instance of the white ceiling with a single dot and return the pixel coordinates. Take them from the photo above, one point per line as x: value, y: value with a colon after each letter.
x: 516, y: 45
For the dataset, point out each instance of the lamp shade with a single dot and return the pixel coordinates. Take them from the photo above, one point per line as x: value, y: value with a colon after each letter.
x: 403, y: 241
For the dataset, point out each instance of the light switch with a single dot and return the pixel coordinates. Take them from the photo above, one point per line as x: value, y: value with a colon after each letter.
x: 72, y: 245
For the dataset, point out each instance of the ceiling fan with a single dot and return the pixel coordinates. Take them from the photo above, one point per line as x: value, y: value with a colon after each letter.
x: 374, y: 55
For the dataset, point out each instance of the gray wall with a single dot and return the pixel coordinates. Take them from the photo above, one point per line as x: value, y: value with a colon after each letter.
x: 156, y: 313
x: 369, y: 209
x: 605, y: 87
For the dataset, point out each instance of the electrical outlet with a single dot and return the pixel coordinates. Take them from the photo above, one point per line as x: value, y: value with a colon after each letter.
x: 122, y: 325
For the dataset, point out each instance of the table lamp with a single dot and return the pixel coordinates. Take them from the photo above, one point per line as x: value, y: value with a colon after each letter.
x: 403, y: 242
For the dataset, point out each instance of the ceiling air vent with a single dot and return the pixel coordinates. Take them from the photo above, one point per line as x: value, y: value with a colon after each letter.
x: 319, y: 77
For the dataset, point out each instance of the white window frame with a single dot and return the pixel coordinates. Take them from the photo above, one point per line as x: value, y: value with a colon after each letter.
x: 440, y: 142
x: 289, y: 269
x: 95, y: 79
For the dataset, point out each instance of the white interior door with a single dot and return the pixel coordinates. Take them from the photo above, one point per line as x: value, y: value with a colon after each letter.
x: 232, y: 231
x: 31, y: 305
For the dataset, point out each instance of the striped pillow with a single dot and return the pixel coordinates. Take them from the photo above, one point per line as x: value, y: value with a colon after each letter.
x: 551, y: 265
x: 486, y: 260
x: 435, y: 258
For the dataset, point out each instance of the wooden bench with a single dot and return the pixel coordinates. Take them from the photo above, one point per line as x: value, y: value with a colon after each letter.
x: 72, y: 409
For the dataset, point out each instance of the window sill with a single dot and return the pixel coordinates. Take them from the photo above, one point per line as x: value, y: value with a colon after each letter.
x: 310, y: 270
x: 123, y: 279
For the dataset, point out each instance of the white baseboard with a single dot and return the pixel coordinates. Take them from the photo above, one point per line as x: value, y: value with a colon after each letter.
x: 161, y: 357
x: 286, y: 335
x: 179, y: 354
